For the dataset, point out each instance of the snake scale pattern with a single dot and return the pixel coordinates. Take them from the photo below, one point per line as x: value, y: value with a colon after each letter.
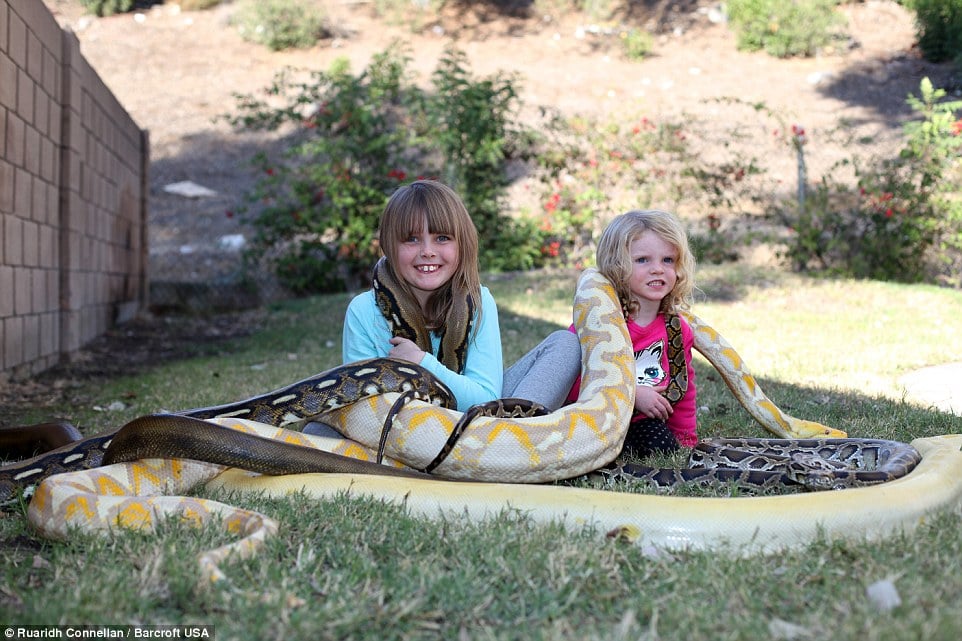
x: 575, y: 440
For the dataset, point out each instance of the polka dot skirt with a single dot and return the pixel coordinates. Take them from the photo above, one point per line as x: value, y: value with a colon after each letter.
x: 647, y: 436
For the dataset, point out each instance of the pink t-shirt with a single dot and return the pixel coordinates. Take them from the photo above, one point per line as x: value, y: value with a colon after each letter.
x: 650, y: 344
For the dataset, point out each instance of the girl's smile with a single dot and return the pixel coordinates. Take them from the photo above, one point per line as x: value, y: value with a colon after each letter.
x: 427, y: 261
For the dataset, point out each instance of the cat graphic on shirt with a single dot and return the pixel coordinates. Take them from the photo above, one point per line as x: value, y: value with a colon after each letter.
x: 648, y: 369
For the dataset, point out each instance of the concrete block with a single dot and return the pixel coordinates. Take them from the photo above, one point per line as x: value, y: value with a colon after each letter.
x: 8, y: 83
x: 12, y: 342
x: 22, y: 291
x: 13, y: 241
x: 17, y: 46
x: 6, y: 291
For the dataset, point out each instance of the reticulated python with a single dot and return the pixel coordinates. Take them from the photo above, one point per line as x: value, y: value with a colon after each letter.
x: 577, y: 439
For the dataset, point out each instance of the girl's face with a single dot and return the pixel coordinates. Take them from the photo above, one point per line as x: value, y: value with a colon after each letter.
x: 427, y: 261
x: 653, y: 264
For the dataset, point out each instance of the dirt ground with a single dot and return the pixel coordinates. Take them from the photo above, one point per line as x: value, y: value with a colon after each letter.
x: 176, y: 71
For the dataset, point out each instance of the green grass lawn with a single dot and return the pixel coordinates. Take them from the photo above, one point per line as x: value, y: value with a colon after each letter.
x: 832, y: 351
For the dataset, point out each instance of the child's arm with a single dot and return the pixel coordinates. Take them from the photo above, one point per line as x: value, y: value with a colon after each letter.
x: 366, y: 333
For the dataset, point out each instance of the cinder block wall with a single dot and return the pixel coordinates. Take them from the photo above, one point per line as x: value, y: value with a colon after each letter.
x: 73, y: 197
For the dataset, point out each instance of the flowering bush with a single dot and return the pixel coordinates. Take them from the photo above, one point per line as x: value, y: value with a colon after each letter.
x: 902, y: 220
x: 315, y: 210
x: 354, y: 140
x: 471, y: 125
x: 592, y: 171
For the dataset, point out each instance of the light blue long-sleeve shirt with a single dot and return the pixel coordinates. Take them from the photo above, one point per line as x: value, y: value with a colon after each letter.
x: 367, y: 335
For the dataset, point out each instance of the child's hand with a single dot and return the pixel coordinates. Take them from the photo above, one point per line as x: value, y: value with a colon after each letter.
x: 650, y: 402
x: 406, y: 350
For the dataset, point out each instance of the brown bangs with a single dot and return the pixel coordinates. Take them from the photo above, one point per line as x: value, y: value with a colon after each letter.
x: 438, y: 219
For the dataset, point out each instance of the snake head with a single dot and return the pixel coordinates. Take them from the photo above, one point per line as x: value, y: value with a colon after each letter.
x: 816, y: 481
x: 814, y: 472
x: 801, y: 428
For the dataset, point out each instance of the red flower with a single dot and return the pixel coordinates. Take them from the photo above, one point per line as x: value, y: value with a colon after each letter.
x: 799, y: 133
x: 888, y: 212
x: 553, y: 201
x: 552, y: 249
x: 957, y: 127
x: 397, y: 173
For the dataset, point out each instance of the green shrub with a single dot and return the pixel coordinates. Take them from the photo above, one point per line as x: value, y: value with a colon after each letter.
x: 590, y: 171
x: 471, y: 122
x: 316, y: 209
x: 198, y: 5
x: 280, y: 24
x: 784, y: 28
x: 636, y: 43
x: 939, y: 28
x: 412, y: 14
x: 715, y: 245
x: 358, y: 137
x: 901, y: 221
x: 107, y: 7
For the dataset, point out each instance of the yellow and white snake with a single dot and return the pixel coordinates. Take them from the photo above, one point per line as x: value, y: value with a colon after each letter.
x: 575, y: 440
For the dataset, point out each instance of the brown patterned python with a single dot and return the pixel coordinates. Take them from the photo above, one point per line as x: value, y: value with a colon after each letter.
x: 759, y: 464
x: 577, y: 439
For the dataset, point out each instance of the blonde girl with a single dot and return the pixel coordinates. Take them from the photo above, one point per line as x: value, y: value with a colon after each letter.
x: 645, y: 254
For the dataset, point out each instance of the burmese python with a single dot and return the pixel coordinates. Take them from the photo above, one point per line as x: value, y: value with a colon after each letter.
x: 760, y: 464
x: 454, y: 334
x: 577, y: 439
x: 677, y: 365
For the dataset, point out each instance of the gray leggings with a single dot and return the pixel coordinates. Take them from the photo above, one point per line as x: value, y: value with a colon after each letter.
x: 546, y: 373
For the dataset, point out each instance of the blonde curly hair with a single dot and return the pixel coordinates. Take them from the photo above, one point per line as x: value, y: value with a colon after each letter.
x: 614, y: 257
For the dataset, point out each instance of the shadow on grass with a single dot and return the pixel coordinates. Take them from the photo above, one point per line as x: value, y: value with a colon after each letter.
x: 860, y: 415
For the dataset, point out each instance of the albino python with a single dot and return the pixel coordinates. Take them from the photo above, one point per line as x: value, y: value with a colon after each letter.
x: 579, y: 438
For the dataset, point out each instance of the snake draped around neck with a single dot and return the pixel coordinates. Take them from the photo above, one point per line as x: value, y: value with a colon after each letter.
x: 409, y: 323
